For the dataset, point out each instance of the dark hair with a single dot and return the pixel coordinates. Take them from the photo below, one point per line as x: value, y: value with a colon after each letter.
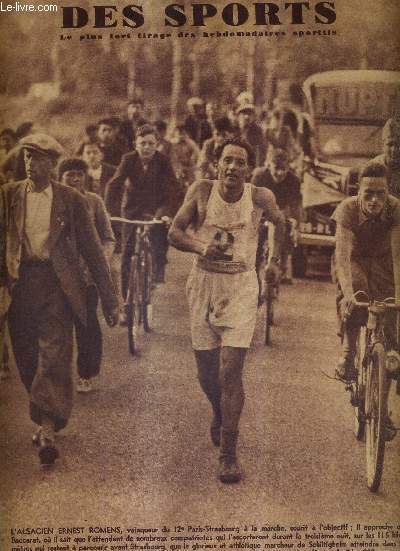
x: 160, y: 125
x: 374, y: 170
x: 145, y: 130
x: 8, y: 132
x: 109, y: 121
x: 85, y: 142
x: 73, y: 163
x: 223, y: 124
x: 279, y: 156
x: 290, y: 119
x: 23, y: 129
x: 238, y: 142
x: 91, y: 130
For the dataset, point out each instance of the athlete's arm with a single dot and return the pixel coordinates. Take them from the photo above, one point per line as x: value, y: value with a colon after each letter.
x: 192, y: 212
x: 178, y: 236
x: 344, y: 246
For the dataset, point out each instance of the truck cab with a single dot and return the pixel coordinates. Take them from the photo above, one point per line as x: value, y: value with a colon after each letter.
x: 347, y: 110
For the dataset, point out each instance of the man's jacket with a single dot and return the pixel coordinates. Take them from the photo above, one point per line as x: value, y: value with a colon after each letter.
x: 72, y: 235
x: 134, y: 191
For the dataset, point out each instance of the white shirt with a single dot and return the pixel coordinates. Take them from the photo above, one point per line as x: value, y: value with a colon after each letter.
x: 37, y: 222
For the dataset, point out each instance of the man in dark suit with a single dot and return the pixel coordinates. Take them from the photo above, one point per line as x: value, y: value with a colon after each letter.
x: 48, y: 230
x: 109, y: 140
x: 98, y: 172
x: 150, y: 190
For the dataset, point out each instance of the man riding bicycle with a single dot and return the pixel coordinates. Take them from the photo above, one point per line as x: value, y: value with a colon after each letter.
x: 367, y: 258
x: 143, y: 186
x: 285, y: 185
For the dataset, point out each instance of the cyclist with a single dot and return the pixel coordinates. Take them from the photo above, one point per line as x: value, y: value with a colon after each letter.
x: 285, y: 185
x: 150, y: 190
x: 367, y: 257
x: 222, y: 288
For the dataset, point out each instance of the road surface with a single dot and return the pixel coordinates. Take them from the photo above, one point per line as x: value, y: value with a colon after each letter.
x: 137, y: 449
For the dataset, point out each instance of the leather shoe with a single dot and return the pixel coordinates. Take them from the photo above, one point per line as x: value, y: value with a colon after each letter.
x: 48, y: 453
x: 346, y: 370
x: 229, y: 470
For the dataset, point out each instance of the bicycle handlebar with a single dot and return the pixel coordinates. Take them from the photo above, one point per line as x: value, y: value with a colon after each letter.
x: 136, y: 222
x: 386, y: 303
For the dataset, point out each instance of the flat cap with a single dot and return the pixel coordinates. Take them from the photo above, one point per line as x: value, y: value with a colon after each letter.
x: 42, y: 143
x: 245, y: 107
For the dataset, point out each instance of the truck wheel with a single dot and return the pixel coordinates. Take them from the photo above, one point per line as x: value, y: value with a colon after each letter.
x: 300, y: 261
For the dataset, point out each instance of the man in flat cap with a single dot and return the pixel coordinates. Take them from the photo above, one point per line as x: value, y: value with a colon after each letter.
x: 48, y: 229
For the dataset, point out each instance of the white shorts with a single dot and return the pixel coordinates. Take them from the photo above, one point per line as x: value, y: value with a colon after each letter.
x: 223, y: 308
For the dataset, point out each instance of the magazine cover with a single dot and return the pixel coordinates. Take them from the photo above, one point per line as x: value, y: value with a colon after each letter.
x: 185, y: 365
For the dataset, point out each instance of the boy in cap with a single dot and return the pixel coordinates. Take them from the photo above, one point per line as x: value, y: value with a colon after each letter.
x: 48, y: 229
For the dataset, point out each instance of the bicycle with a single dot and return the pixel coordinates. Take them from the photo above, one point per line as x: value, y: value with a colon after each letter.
x: 369, y: 391
x: 271, y: 288
x: 138, y: 305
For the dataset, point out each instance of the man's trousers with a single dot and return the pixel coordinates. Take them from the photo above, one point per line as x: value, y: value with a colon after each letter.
x: 40, y: 324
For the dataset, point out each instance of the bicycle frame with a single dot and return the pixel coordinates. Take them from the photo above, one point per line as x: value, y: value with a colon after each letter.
x: 138, y: 301
x: 369, y: 392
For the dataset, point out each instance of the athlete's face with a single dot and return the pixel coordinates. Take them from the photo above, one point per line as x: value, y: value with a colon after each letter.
x: 233, y: 167
x: 373, y: 194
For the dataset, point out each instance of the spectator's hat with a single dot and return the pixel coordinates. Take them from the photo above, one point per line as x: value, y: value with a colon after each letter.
x: 391, y: 129
x: 42, y: 143
x: 249, y: 107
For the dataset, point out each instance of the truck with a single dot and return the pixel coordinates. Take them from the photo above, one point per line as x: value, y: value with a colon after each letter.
x: 348, y: 109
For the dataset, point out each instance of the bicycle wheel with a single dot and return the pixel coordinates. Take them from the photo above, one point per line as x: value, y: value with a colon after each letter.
x: 375, y: 409
x: 359, y: 386
x: 269, y: 311
x: 132, y: 307
x: 146, y: 289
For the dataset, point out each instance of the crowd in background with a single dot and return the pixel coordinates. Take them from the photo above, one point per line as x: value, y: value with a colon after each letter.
x: 108, y: 159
